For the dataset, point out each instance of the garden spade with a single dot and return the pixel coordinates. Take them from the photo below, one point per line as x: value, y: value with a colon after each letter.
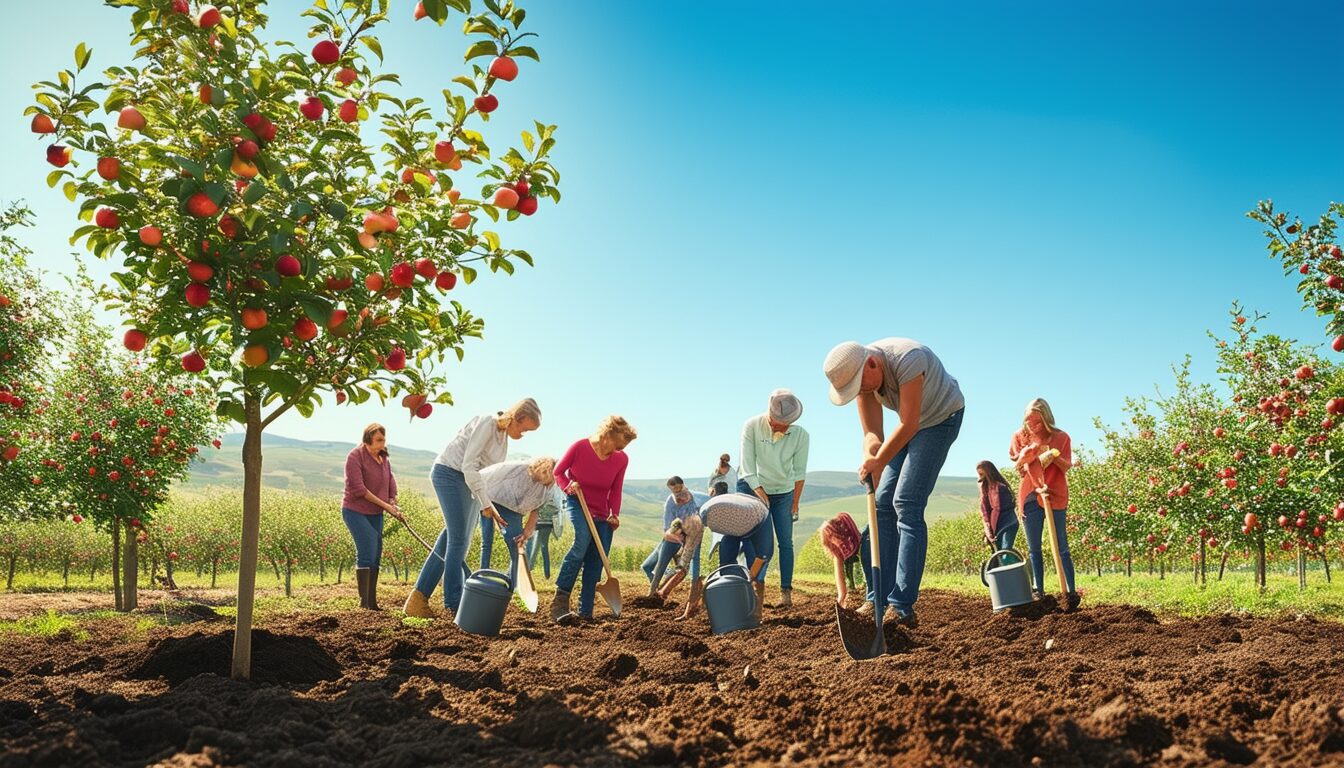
x: 858, y: 647
x: 610, y: 590
x: 523, y: 586
x: 1054, y: 543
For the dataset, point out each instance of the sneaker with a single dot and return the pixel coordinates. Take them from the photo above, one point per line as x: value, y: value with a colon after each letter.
x: 1072, y: 600
x: 1037, y: 594
x: 866, y: 609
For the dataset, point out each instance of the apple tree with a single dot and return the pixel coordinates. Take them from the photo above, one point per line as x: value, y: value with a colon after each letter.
x: 267, y: 245
x: 116, y: 436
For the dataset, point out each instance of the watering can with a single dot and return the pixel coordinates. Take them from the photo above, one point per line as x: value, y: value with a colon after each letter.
x: 485, y: 599
x: 1008, y: 582
x: 730, y: 599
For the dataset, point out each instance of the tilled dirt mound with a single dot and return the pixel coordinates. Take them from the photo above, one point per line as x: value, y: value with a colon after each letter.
x: 1115, y: 687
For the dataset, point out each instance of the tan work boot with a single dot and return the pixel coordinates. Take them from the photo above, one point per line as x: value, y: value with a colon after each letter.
x: 559, y: 604
x: 760, y: 598
x: 417, y: 605
x: 786, y: 598
x: 693, y: 602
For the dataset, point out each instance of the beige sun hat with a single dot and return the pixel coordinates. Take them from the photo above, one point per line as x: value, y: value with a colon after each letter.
x: 844, y: 369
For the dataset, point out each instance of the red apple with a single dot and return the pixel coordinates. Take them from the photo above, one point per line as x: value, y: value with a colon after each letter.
x: 445, y: 281
x: 522, y: 187
x: 131, y: 119
x: 106, y: 218
x: 346, y: 76
x: 504, y: 68
x: 109, y: 168
x: 424, y: 411
x: 197, y: 295
x: 207, y: 17
x: 395, y: 360
x: 312, y: 108
x: 11, y: 453
x: 76, y: 518
x: 1338, y: 344
x: 349, y: 111
x: 247, y: 149
x: 505, y: 197
x: 254, y: 318
x: 487, y: 103
x: 420, y: 11
x: 199, y: 271
x: 42, y: 124
x: 193, y: 362
x: 526, y: 205
x: 288, y: 266
x: 134, y: 340
x: 374, y: 282
x: 1305, y: 372
x: 426, y: 269
x: 230, y: 227
x: 201, y: 206
x: 460, y: 220
x: 305, y: 329
x: 445, y: 152
x: 58, y: 155
x: 1335, y: 281
x: 403, y: 275
x: 338, y: 318
x: 326, y: 52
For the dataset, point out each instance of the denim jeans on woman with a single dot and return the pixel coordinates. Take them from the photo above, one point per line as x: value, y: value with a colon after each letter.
x: 367, y: 531
x: 583, y: 555
x: 541, y: 540
x: 760, y: 542
x: 459, y: 512
x: 655, y: 565
x: 781, y: 520
x: 1007, y: 533
x: 1034, y: 517
x: 513, y: 528
x: 902, y: 496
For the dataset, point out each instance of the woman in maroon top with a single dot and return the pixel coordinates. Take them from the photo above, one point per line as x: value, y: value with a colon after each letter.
x: 370, y: 490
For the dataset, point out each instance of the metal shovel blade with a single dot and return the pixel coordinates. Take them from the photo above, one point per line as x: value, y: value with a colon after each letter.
x: 523, y: 586
x: 610, y: 590
x: 857, y: 644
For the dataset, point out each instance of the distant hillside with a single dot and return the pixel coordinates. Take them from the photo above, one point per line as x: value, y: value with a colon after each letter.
x: 317, y: 467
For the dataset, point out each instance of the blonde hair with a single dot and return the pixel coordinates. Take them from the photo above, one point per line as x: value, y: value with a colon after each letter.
x: 526, y: 408
x: 542, y: 470
x: 616, y: 426
x: 1043, y: 408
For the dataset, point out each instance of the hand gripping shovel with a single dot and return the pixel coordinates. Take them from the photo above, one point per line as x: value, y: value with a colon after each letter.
x: 610, y: 590
x: 857, y: 644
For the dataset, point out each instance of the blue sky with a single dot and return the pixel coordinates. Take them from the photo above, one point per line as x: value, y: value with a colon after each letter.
x: 1050, y: 195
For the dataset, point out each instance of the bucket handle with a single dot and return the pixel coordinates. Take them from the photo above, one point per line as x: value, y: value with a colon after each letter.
x: 984, y: 569
x: 725, y: 570
x: 486, y: 573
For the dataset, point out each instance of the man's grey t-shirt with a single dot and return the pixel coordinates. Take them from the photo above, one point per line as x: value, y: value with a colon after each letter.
x: 906, y: 359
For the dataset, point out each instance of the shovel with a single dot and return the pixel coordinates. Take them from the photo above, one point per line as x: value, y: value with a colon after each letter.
x: 1054, y: 543
x: 523, y: 586
x: 610, y: 590
x: 854, y: 646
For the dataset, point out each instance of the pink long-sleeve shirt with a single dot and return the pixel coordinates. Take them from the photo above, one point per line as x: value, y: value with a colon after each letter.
x: 601, y: 480
x: 365, y: 473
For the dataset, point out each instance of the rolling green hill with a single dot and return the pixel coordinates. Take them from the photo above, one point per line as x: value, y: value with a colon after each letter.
x: 317, y: 467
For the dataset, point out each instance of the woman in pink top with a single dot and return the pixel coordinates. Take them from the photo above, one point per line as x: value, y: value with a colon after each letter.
x: 597, y: 466
x: 370, y: 490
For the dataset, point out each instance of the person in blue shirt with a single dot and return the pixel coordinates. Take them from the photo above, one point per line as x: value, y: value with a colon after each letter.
x: 681, y: 503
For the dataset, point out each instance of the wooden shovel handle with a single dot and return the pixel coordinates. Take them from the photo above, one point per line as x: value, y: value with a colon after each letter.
x: 592, y: 527
x: 1054, y: 543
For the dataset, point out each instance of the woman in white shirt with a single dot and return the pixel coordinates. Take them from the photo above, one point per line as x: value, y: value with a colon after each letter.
x: 461, y: 489
x: 517, y: 490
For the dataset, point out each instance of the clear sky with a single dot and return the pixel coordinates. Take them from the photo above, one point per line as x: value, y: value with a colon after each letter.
x: 1050, y: 195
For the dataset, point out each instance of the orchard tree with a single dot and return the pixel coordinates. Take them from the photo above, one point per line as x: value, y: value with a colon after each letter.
x: 116, y: 437
x: 30, y: 328
x: 267, y: 246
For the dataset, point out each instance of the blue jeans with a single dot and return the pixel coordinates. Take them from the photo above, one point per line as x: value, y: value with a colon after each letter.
x: 1034, y: 516
x: 513, y: 529
x: 367, y: 531
x: 487, y: 540
x: 451, y: 547
x: 541, y: 540
x: 1006, y: 535
x: 583, y: 555
x: 781, y: 519
x: 760, y: 542
x: 902, y: 496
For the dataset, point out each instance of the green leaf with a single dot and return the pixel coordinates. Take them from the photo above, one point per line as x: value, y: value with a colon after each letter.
x: 337, y: 210
x: 527, y: 140
x: 255, y: 191
x: 467, y: 81
x: 468, y: 275
x: 516, y: 18
x: 316, y: 308
x: 525, y: 50
x: 305, y: 407
x: 436, y: 10
x: 195, y: 169
x: 481, y: 48
x: 463, y: 6
x: 491, y: 239
x: 374, y: 45
x: 70, y: 190
x: 82, y: 54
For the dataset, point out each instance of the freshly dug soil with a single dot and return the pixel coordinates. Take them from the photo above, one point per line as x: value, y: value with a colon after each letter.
x: 1117, y: 687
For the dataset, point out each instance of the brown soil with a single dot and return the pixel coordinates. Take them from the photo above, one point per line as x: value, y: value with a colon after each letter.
x: 1117, y: 687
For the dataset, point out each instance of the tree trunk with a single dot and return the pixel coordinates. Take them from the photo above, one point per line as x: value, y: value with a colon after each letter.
x: 1260, y: 561
x: 65, y: 574
x: 131, y: 572
x: 1098, y: 568
x: 1129, y: 565
x: 1301, y: 568
x: 168, y: 573
x: 1151, y: 565
x: 340, y: 569
x: 289, y: 570
x: 1203, y: 563
x: 9, y: 579
x: 1162, y: 568
x: 321, y: 570
x: 214, y: 571
x: 247, y: 556
x: 93, y: 572
x: 116, y: 562
x: 1222, y: 565
x: 1325, y: 561
x: 154, y: 571
x: 275, y: 566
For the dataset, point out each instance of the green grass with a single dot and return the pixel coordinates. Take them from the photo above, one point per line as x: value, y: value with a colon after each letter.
x: 48, y: 624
